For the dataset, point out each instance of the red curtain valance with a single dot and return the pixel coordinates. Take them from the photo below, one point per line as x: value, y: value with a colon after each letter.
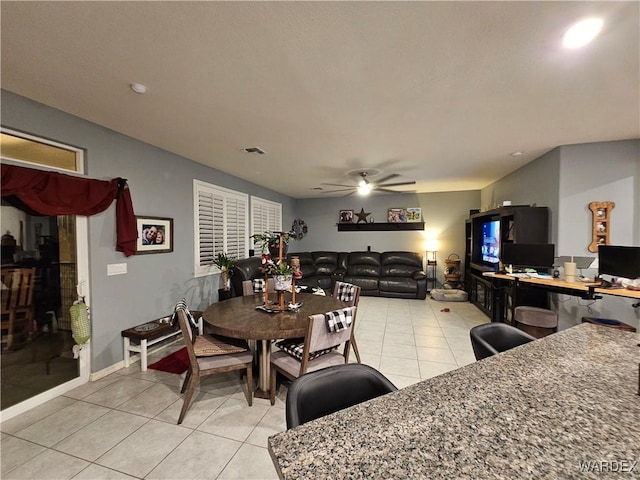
x: 52, y: 193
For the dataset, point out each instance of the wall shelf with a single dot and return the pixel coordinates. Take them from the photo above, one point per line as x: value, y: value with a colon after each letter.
x: 379, y: 227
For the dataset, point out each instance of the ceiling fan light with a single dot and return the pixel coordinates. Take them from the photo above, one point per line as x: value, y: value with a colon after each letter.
x: 364, y: 188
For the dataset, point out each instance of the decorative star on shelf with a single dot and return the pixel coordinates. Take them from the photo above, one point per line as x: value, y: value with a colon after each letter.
x: 362, y: 216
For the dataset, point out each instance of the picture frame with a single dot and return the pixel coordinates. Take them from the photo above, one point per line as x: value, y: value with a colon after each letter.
x: 397, y: 215
x: 155, y: 235
x: 346, y: 216
x: 414, y: 214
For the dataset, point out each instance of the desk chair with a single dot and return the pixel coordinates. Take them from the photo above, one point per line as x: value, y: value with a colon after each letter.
x: 17, y: 302
x: 318, y: 348
x: 492, y: 338
x: 320, y: 393
x: 209, y: 355
x: 349, y: 294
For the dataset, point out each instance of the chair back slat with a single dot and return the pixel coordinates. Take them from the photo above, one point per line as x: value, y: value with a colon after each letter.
x: 320, y: 338
x: 189, y: 338
x: 17, y: 288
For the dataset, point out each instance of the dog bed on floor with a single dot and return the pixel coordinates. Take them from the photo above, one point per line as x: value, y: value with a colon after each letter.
x: 452, y: 295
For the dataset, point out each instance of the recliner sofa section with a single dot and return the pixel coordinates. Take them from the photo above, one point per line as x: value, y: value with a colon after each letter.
x: 396, y: 274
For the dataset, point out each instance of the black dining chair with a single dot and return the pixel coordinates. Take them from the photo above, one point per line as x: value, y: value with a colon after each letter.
x: 491, y: 338
x: 322, y: 392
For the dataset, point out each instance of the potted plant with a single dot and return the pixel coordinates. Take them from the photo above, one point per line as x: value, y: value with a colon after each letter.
x: 281, y: 273
x: 271, y: 241
x: 225, y: 264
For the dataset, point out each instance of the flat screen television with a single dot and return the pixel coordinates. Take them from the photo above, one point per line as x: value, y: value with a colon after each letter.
x: 528, y: 255
x: 490, y: 247
x: 619, y: 261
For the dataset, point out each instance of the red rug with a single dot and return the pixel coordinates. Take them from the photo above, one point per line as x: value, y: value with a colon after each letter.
x: 177, y: 362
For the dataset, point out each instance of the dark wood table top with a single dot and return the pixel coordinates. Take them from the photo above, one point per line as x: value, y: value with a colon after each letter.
x: 238, y: 317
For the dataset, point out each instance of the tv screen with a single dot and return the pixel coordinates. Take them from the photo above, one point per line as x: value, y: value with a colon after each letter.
x: 491, y: 241
x: 534, y: 255
x: 619, y: 261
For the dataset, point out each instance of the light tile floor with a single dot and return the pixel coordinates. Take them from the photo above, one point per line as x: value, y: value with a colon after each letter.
x: 124, y: 425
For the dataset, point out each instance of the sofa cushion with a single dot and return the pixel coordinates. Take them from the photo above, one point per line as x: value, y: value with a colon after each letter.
x: 363, y: 264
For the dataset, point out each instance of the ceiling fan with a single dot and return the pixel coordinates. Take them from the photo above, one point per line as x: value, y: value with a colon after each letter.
x: 365, y: 186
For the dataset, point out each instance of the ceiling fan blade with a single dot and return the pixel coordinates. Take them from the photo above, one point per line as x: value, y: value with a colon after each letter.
x: 340, y: 190
x: 350, y: 193
x: 339, y: 185
x: 388, y: 177
x: 398, y: 184
x: 394, y: 191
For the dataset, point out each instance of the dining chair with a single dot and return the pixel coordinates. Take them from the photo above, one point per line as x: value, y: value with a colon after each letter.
x: 325, y: 391
x: 350, y: 295
x: 210, y: 355
x: 492, y: 338
x: 318, y: 349
x: 254, y: 287
x: 17, y: 302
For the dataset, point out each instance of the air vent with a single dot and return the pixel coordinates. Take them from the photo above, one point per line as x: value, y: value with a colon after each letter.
x: 254, y: 150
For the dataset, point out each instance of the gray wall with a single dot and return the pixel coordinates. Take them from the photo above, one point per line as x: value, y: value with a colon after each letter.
x: 161, y: 185
x: 444, y: 215
x: 567, y: 179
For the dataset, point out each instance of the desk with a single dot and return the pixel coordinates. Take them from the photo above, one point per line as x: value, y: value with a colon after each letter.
x: 536, y: 411
x: 238, y: 318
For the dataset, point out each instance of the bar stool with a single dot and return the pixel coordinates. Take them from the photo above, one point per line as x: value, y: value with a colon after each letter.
x: 536, y: 321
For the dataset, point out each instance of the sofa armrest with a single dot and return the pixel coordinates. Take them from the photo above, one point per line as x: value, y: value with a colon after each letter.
x: 420, y: 275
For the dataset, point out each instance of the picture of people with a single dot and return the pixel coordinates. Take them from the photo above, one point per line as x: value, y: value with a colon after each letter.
x: 397, y: 215
x: 154, y: 235
x: 346, y: 216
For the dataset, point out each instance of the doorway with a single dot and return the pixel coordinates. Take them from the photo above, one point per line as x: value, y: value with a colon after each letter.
x: 41, y: 364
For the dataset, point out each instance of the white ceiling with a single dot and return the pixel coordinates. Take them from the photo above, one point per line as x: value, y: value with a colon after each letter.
x: 438, y: 92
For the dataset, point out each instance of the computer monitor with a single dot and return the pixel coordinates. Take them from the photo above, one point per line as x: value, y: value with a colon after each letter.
x: 533, y: 255
x: 619, y: 261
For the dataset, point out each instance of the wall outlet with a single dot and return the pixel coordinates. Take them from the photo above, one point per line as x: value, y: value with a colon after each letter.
x: 116, y: 269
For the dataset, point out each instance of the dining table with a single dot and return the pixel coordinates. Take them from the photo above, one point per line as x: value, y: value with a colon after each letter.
x: 241, y: 317
x: 564, y: 406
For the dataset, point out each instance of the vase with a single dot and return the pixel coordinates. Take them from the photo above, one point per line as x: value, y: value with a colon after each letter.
x: 282, y: 282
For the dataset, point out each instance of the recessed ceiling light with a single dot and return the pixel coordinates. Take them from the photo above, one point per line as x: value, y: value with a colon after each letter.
x: 138, y: 88
x: 582, y: 33
x: 517, y: 154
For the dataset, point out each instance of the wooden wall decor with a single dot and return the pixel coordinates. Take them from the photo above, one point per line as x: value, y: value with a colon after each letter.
x: 601, y: 216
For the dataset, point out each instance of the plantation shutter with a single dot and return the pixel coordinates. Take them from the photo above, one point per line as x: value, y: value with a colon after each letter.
x: 221, y: 225
x: 265, y: 216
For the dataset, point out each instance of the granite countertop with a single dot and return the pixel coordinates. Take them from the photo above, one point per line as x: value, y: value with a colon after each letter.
x: 536, y: 411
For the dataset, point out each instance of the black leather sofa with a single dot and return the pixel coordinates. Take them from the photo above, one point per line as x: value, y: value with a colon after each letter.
x: 386, y: 274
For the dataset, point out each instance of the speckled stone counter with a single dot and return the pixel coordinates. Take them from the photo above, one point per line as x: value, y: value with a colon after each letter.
x: 536, y: 411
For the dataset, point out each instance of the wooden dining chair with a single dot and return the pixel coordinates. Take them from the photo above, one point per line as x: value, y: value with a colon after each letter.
x: 318, y: 349
x: 17, y: 302
x: 350, y: 295
x: 210, y: 355
x: 254, y: 287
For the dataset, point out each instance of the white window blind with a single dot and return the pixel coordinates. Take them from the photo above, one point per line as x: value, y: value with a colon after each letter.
x: 221, y: 224
x: 265, y: 216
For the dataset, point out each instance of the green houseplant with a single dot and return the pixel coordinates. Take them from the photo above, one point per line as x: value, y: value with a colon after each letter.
x: 225, y: 264
x: 271, y: 241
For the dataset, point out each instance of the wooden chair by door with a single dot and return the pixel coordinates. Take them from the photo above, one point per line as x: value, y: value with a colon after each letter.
x: 17, y: 302
x: 350, y: 295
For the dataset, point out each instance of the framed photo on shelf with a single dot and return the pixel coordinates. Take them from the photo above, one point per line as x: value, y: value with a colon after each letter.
x: 414, y: 214
x: 155, y: 235
x: 346, y: 216
x: 397, y: 215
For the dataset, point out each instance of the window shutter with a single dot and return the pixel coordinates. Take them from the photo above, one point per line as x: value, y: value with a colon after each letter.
x: 221, y: 225
x: 265, y: 216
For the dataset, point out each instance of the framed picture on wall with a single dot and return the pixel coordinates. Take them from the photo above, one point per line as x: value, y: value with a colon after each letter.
x: 346, y: 216
x: 155, y: 235
x: 414, y: 214
x: 397, y: 215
